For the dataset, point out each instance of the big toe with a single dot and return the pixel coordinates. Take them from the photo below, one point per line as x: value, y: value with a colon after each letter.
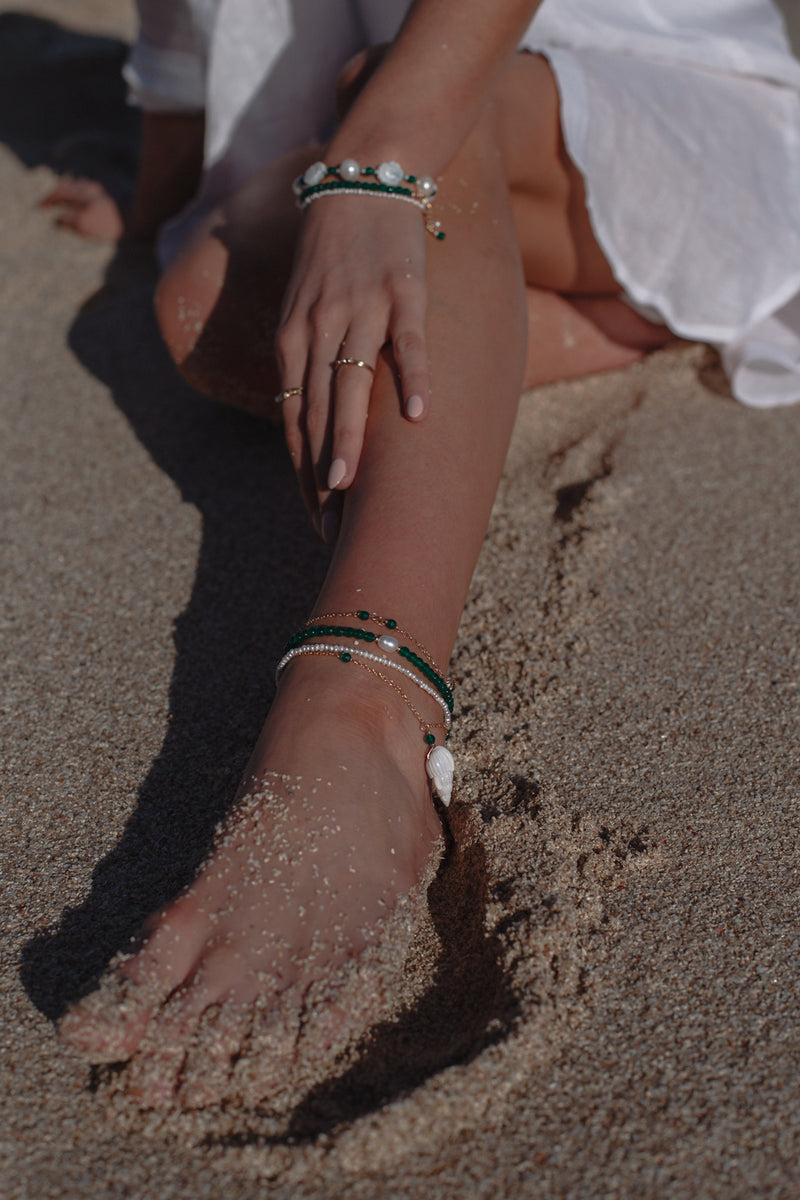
x: 104, y: 1036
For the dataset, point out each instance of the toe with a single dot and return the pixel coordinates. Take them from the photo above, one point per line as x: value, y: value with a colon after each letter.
x: 108, y: 1024
x: 215, y: 1048
x: 265, y: 1065
x: 104, y: 1037
x: 154, y: 1073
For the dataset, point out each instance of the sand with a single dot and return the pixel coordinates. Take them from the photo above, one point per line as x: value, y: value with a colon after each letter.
x: 611, y: 962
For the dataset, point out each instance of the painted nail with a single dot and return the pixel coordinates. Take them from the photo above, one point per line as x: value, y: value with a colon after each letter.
x: 414, y: 407
x: 337, y: 473
x: 330, y: 527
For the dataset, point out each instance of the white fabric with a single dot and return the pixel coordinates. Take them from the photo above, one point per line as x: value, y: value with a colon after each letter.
x: 683, y: 116
x: 743, y: 37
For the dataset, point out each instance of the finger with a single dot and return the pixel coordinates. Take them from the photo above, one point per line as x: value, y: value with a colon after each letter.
x: 291, y: 351
x: 330, y: 518
x: 353, y: 382
x: 69, y: 190
x: 299, y: 453
x: 321, y: 400
x: 99, y: 219
x: 409, y: 347
x: 68, y: 218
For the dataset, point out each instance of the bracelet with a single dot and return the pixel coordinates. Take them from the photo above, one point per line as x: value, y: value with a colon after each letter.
x: 388, y: 174
x: 320, y: 180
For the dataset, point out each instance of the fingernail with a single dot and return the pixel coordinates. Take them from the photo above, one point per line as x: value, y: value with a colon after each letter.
x: 337, y: 473
x: 330, y: 527
x: 414, y: 407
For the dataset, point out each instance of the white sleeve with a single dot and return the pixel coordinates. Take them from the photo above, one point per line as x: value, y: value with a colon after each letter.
x: 166, y: 68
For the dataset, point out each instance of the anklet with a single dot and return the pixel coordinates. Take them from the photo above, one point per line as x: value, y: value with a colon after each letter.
x: 347, y: 655
x: 362, y: 614
x: 439, y: 762
x: 386, y: 641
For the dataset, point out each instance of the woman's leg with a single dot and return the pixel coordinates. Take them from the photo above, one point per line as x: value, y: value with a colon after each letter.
x: 334, y: 822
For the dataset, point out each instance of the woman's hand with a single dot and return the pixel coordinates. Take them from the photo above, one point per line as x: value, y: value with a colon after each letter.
x: 86, y: 207
x: 357, y: 286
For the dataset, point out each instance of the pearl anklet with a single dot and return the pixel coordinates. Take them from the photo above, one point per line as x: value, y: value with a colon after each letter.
x: 355, y: 652
x: 439, y: 762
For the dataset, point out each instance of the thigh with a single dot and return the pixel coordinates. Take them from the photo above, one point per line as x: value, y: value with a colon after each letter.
x: 557, y: 244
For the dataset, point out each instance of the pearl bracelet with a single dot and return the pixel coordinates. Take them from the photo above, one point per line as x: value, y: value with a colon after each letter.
x: 388, y: 174
x: 349, y: 178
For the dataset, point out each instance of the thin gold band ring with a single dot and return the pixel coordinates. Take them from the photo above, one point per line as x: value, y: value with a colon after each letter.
x: 287, y: 393
x: 352, y: 362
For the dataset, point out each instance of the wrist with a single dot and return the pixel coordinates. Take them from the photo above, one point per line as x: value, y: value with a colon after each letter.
x: 388, y: 180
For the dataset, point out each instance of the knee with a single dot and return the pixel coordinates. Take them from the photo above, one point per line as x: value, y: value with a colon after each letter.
x: 170, y: 315
x: 184, y: 299
x: 357, y: 72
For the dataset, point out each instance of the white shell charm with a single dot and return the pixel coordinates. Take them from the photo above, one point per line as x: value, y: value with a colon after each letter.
x: 440, y: 765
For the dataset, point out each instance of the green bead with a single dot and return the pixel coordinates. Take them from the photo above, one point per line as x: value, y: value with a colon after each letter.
x: 430, y: 738
x: 369, y: 636
x: 390, y: 624
x: 363, y: 615
x: 345, y: 656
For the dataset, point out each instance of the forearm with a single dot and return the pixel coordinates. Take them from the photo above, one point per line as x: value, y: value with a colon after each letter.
x: 428, y: 93
x: 170, y: 167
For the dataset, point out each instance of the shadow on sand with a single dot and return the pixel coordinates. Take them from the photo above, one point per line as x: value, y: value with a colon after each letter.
x: 258, y: 565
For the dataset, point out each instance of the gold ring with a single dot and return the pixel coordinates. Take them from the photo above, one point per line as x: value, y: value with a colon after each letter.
x: 352, y: 362
x: 281, y: 396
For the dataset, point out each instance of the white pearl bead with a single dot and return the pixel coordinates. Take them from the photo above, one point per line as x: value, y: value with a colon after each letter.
x: 298, y: 185
x: 315, y: 174
x: 349, y: 169
x: 426, y: 186
x: 387, y: 642
x: 390, y: 173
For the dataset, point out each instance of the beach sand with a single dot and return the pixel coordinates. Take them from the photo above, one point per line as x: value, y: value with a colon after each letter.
x: 607, y: 980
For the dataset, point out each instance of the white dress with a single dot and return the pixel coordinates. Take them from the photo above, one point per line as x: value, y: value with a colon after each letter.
x: 683, y: 117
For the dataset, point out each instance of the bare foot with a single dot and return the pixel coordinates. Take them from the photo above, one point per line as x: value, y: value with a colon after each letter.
x: 86, y: 207
x: 332, y: 828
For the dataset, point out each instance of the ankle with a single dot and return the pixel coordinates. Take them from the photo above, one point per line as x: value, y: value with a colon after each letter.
x: 355, y: 703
